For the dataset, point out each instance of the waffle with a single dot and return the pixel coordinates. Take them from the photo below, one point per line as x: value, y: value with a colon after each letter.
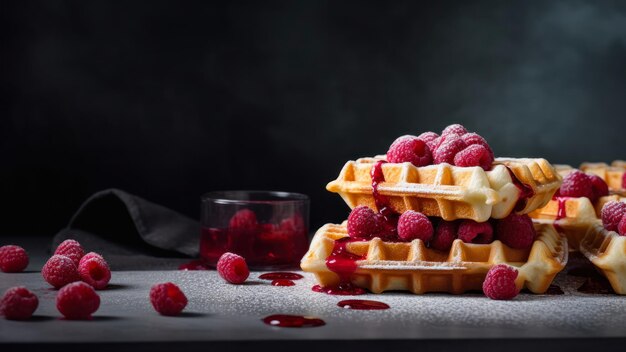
x: 607, y: 251
x: 450, y: 192
x: 611, y: 174
x: 413, y: 267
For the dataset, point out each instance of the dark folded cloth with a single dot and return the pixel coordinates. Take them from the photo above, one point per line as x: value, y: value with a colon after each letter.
x: 132, y: 233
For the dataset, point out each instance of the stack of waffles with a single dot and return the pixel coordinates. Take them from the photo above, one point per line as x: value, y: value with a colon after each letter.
x: 590, y: 222
x: 450, y: 191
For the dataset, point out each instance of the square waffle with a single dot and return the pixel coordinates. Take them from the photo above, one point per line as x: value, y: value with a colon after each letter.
x: 414, y: 267
x: 612, y: 174
x: 607, y: 251
x: 451, y: 192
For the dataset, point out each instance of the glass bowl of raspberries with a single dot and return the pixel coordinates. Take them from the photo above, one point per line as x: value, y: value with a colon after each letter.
x: 267, y: 228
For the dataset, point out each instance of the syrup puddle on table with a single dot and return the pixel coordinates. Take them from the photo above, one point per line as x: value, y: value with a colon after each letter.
x: 362, y: 304
x: 293, y: 321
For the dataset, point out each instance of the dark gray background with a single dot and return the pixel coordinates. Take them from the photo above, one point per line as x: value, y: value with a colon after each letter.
x: 170, y: 99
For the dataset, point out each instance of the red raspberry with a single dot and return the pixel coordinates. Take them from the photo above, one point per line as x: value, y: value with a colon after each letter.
x: 599, y: 187
x: 471, y: 231
x: 449, y: 147
x: 612, y: 213
x: 244, y: 220
x: 13, y: 259
x: 409, y: 149
x: 77, y: 301
x: 456, y: 129
x: 516, y: 231
x: 292, y: 224
x: 474, y: 155
x: 59, y: 271
x: 95, y: 271
x: 576, y: 184
x: 428, y: 137
x: 167, y: 299
x: 71, y: 249
x: 413, y: 225
x: 500, y: 282
x: 18, y: 303
x: 363, y: 222
x: 89, y: 256
x: 444, y: 235
x: 233, y: 268
x: 621, y: 227
x: 434, y: 144
x: 475, y: 138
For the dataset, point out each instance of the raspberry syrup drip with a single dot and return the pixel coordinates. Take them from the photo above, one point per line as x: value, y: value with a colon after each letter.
x: 342, y: 263
x: 362, y: 304
x: 283, y: 282
x: 280, y: 275
x: 292, y: 321
x: 525, y: 191
x: 382, y: 202
x: 561, y: 212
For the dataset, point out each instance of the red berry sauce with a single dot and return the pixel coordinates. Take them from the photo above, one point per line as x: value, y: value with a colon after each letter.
x: 292, y: 321
x: 282, y: 282
x: 342, y: 263
x: 561, y: 212
x: 525, y: 191
x: 280, y: 276
x: 267, y: 245
x: 381, y: 201
x: 362, y: 304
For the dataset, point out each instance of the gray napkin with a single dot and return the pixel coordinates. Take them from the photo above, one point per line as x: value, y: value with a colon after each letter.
x: 132, y: 233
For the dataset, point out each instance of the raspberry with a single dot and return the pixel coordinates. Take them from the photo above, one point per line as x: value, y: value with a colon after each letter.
x: 89, y: 256
x: 471, y: 231
x: 413, y: 225
x: 95, y: 271
x: 59, y: 271
x: 456, y: 129
x: 71, y: 249
x: 475, y: 138
x: 13, y: 259
x: 409, y: 149
x: 428, y: 137
x: 621, y: 227
x: 167, y: 299
x: 500, y: 282
x: 599, y: 187
x: 576, y: 184
x: 363, y: 223
x: 233, y: 268
x: 77, y: 301
x: 291, y: 224
x: 18, y: 303
x: 434, y: 144
x: 244, y: 220
x: 474, y: 155
x: 612, y: 213
x: 449, y: 147
x: 444, y: 235
x: 516, y: 231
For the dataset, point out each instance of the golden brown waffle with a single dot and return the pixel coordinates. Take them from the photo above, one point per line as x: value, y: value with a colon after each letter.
x: 450, y: 192
x: 571, y: 216
x: 607, y: 251
x: 413, y: 267
x: 612, y: 174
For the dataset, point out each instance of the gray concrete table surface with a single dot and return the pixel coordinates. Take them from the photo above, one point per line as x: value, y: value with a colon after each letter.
x: 219, y: 312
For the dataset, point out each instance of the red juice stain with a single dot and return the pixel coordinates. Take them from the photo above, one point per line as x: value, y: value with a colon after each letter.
x: 197, y: 264
x: 280, y: 275
x: 292, y: 321
x: 561, y: 212
x: 525, y: 191
x: 362, y: 304
x: 342, y: 263
x: 283, y: 282
x: 382, y: 202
